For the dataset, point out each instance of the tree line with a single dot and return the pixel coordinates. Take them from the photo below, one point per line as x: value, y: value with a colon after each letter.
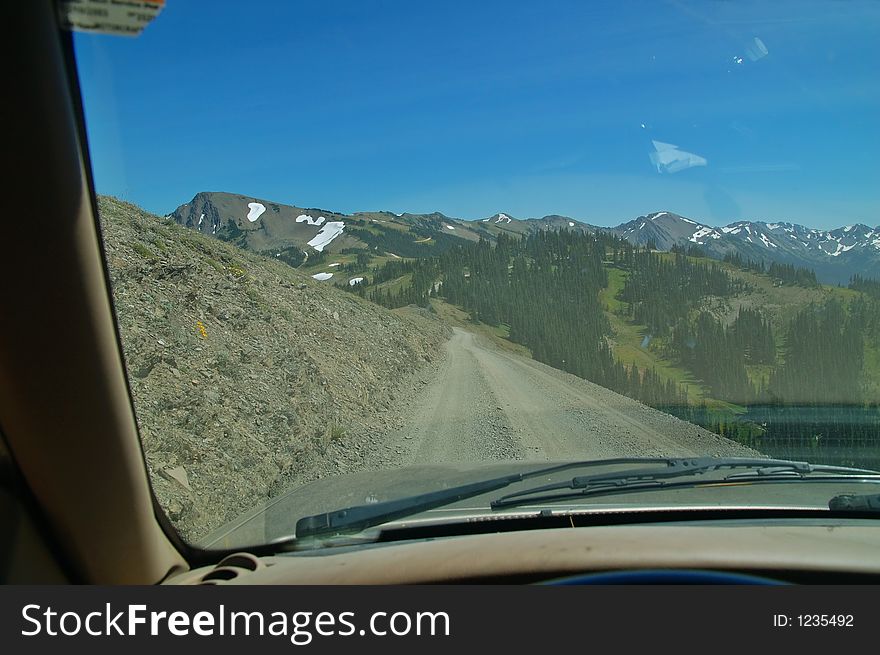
x: 785, y: 273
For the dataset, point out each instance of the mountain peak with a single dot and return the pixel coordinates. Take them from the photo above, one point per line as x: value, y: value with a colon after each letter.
x: 500, y: 217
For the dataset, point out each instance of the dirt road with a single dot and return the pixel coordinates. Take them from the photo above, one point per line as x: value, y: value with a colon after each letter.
x: 484, y: 404
x: 489, y: 404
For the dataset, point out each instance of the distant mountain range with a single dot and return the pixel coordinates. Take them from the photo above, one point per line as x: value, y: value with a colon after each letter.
x: 284, y: 231
x: 835, y: 254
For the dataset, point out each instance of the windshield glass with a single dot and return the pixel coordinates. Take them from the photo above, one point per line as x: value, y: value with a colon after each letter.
x: 364, y: 251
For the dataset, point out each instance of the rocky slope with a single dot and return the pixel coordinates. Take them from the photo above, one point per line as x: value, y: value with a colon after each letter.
x: 248, y: 376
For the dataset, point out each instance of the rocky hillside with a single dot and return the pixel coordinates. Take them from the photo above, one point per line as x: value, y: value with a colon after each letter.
x: 247, y: 375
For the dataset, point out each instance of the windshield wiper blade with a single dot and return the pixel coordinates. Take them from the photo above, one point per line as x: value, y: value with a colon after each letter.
x: 654, y: 478
x: 361, y: 517
x: 665, y: 485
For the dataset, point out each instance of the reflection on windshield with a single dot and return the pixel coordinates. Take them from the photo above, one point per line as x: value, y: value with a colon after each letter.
x: 359, y: 259
x: 669, y: 159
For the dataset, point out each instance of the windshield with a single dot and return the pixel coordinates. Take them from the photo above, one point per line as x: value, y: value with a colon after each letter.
x: 366, y: 251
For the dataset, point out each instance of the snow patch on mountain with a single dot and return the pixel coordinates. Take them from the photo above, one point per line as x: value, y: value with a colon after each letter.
x: 841, y: 249
x: 255, y: 210
x: 303, y: 218
x: 702, y: 233
x: 327, y: 233
x: 767, y: 242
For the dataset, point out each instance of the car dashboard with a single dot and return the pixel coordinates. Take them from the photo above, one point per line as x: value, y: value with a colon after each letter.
x: 785, y: 551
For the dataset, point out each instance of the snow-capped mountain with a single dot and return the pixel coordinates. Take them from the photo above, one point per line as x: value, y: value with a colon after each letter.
x: 835, y: 254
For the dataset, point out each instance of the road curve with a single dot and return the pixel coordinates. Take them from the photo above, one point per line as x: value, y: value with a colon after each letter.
x: 491, y: 404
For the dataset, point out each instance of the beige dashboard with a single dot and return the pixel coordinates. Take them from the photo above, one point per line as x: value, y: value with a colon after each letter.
x: 543, y: 554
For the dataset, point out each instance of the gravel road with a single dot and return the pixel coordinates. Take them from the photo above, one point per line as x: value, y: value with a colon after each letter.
x: 490, y: 404
x: 481, y: 404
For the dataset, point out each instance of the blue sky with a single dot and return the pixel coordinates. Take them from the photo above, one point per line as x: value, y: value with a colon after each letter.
x: 471, y: 108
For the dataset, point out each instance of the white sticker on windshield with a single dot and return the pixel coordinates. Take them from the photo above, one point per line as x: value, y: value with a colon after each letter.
x: 121, y: 17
